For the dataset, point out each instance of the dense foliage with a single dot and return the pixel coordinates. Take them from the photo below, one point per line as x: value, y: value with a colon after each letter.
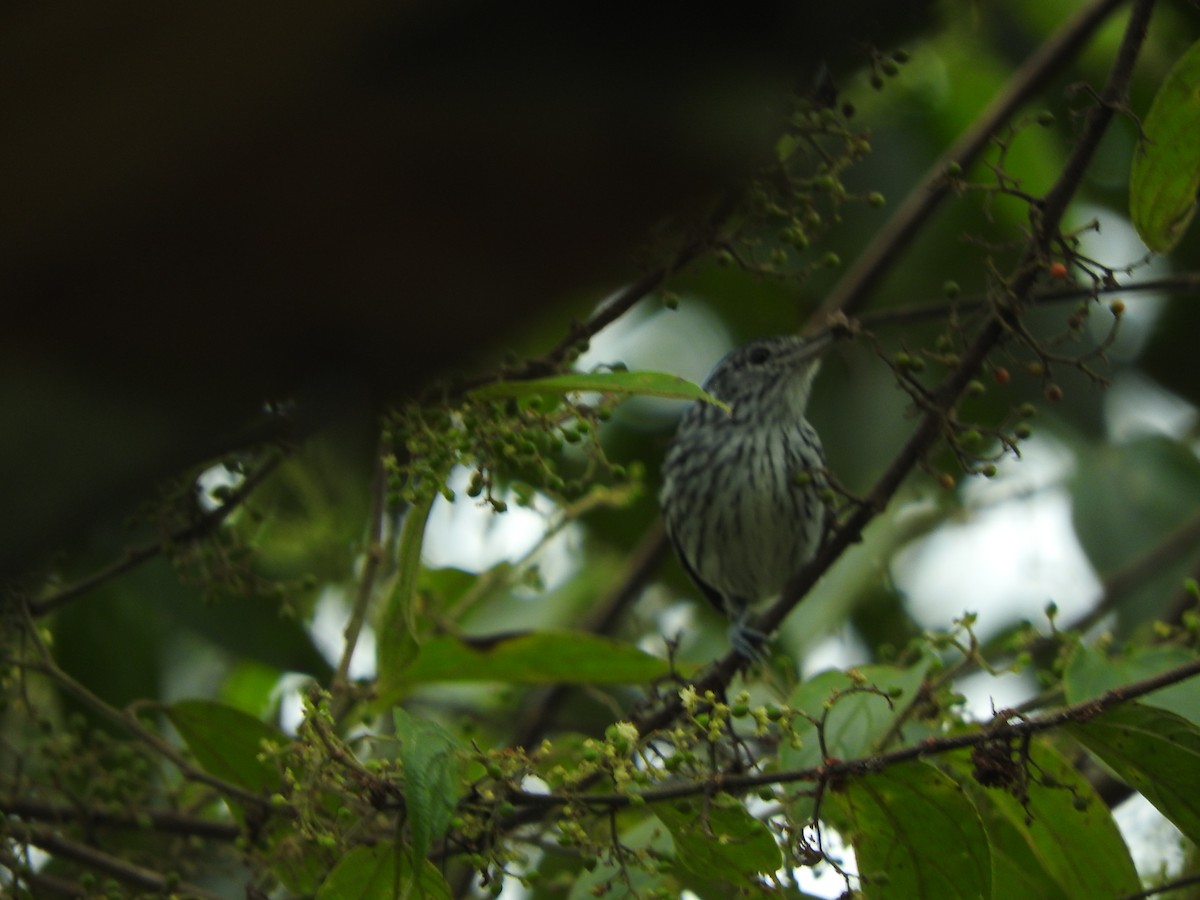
x: 303, y: 669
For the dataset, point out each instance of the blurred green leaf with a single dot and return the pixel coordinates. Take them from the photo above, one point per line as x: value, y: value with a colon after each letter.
x: 645, y: 384
x: 251, y: 686
x: 113, y: 641
x: 915, y: 833
x: 228, y: 742
x: 307, y: 516
x: 1089, y: 673
x: 1166, y: 168
x: 544, y: 657
x: 720, y: 841
x: 1154, y: 751
x: 433, y: 764
x: 1061, y: 843
x: 379, y: 872
x: 1126, y: 500
x: 398, y: 643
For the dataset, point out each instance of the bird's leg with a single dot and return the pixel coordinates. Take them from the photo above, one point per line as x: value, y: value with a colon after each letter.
x: 748, y: 642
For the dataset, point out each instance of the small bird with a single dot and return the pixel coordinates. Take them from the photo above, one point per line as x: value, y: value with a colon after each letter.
x: 742, y: 490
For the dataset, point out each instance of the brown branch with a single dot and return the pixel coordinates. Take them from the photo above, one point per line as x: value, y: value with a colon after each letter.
x: 145, y: 879
x: 128, y: 721
x: 135, y: 556
x: 166, y: 821
x: 1008, y: 726
x: 1166, y: 887
x: 925, y: 312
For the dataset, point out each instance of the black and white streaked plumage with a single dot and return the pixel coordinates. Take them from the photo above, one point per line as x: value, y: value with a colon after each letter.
x: 741, y: 493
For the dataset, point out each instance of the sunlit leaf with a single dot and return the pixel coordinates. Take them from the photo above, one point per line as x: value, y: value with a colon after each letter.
x: 250, y: 686
x: 645, y: 384
x: 1166, y: 168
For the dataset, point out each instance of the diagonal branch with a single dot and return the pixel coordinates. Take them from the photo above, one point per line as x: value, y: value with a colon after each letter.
x: 135, y: 556
x: 852, y: 290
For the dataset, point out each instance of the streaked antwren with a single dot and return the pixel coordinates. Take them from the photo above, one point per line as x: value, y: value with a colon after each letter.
x: 742, y: 490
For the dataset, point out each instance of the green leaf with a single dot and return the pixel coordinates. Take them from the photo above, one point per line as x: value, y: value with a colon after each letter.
x: 227, y: 742
x: 1061, y: 843
x: 433, y: 766
x: 250, y: 686
x: 397, y: 645
x: 856, y: 721
x: 1127, y: 500
x: 380, y: 872
x: 1166, y: 167
x: 915, y: 833
x: 720, y: 841
x: 543, y: 657
x: 1154, y: 751
x: 647, y: 384
x: 1090, y: 673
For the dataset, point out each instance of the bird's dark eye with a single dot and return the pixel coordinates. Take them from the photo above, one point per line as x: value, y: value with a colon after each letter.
x: 759, y: 355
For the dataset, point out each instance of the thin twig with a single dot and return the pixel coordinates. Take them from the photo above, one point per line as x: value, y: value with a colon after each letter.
x: 127, y: 721
x: 926, y: 312
x: 1175, y: 884
x: 616, y: 306
x: 851, y: 291
x: 135, y: 556
x: 164, y: 820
